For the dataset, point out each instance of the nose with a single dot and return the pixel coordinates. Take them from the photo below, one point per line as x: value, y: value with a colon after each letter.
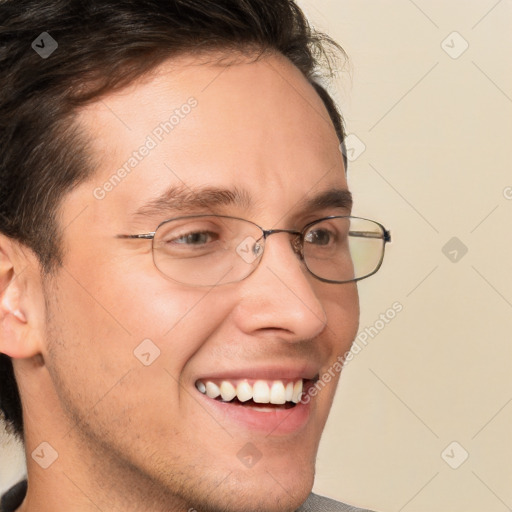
x: 281, y: 294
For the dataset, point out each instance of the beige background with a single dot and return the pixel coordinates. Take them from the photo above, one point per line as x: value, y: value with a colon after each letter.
x: 437, y: 135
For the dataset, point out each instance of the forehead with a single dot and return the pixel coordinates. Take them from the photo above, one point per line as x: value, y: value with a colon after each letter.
x: 253, y: 124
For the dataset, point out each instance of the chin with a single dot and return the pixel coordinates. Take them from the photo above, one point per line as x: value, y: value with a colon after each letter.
x: 266, y: 489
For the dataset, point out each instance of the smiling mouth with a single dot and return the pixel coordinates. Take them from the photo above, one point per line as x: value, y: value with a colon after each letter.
x: 262, y: 395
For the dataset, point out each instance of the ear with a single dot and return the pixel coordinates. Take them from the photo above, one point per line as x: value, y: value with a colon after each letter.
x: 18, y: 337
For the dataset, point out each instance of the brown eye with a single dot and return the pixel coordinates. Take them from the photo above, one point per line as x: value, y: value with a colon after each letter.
x: 319, y: 237
x: 196, y: 238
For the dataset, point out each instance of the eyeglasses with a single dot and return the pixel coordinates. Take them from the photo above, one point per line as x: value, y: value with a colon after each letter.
x: 211, y: 250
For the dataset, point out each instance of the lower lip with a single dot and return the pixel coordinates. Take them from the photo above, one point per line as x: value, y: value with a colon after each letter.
x: 275, y: 422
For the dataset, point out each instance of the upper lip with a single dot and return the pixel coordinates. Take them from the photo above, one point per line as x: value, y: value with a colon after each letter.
x: 296, y: 371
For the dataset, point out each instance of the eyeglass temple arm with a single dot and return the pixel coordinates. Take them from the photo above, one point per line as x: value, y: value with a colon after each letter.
x: 147, y: 236
x: 368, y: 234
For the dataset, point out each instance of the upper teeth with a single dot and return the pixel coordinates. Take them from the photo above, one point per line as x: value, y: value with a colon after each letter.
x: 262, y: 392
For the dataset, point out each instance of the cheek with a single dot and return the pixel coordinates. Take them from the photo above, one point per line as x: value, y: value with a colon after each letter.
x: 342, y: 308
x: 177, y: 320
x: 102, y: 325
x: 98, y: 340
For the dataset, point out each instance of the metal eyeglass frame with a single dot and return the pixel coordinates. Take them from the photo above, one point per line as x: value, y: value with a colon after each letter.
x: 297, y: 244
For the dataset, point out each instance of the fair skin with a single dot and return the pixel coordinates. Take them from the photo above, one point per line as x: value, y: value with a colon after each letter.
x: 131, y: 437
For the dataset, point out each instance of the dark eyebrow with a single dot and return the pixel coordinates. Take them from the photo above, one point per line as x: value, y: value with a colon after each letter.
x: 333, y: 198
x: 181, y: 198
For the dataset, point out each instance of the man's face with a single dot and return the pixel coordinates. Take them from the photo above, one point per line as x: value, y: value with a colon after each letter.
x: 261, y: 128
